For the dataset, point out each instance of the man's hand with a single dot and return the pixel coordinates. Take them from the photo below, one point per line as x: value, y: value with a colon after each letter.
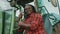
x: 19, y: 17
x: 20, y: 23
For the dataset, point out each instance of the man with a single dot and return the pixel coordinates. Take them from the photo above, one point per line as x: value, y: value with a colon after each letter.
x: 33, y: 23
x: 56, y: 28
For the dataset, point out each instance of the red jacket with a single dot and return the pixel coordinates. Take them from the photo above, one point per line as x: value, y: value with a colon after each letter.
x: 37, y: 24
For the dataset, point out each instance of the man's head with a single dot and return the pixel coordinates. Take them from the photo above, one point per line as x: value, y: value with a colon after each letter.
x: 29, y: 9
x: 12, y: 3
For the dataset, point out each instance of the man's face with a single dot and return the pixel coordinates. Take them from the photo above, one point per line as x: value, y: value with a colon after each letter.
x: 28, y: 9
x: 12, y: 3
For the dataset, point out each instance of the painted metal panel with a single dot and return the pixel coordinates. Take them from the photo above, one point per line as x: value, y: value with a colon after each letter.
x: 0, y: 21
x: 46, y: 8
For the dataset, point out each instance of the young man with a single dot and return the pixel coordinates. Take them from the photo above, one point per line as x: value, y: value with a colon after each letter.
x: 33, y: 23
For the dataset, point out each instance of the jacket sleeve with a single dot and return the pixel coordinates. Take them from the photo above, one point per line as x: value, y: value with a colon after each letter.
x: 37, y: 22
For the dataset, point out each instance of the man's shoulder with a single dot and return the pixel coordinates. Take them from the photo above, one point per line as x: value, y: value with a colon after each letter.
x: 37, y: 14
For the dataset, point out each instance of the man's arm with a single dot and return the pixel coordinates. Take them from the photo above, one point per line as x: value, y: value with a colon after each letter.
x: 19, y: 17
